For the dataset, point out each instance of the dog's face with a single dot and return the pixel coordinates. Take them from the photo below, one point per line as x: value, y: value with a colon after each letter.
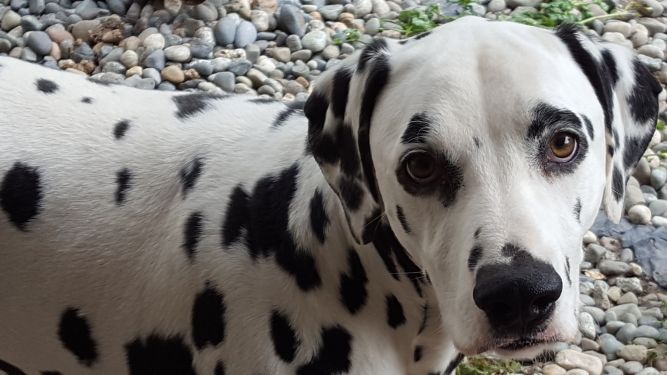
x: 489, y: 148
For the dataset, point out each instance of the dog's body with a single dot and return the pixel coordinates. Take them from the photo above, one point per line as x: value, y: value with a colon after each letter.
x: 152, y: 232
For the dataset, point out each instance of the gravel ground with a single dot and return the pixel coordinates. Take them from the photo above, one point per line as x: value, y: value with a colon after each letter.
x: 276, y: 47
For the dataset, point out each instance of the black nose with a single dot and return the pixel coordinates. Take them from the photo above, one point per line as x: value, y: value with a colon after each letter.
x: 517, y: 297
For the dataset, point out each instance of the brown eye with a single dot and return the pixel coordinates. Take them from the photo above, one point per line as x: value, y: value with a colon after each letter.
x: 562, y: 147
x: 420, y: 166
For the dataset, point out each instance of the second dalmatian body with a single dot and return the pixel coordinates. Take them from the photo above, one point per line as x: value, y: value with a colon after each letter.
x: 414, y: 210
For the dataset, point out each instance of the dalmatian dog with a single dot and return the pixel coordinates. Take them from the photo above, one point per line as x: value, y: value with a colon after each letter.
x: 427, y: 202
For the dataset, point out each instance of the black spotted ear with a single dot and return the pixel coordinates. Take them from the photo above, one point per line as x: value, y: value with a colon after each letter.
x: 339, y: 112
x: 628, y: 94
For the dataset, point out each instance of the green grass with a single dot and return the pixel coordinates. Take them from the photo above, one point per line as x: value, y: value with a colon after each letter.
x: 347, y: 36
x: 418, y: 20
x: 487, y: 366
x: 660, y: 125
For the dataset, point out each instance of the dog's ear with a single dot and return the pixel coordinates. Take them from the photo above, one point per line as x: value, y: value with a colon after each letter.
x: 339, y: 112
x: 628, y: 94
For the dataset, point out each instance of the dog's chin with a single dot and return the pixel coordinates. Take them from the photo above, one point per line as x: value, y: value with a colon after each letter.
x: 526, y: 348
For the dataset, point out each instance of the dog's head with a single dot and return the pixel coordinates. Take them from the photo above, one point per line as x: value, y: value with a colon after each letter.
x: 489, y: 148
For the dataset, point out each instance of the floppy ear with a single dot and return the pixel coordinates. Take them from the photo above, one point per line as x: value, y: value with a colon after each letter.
x: 339, y: 112
x: 628, y: 94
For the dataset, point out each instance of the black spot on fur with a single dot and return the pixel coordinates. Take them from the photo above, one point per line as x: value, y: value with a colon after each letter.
x: 353, y: 283
x: 402, y: 219
x: 634, y: 149
x: 318, y: 216
x: 208, y: 318
x: 418, y: 353
x: 189, y: 105
x: 263, y: 100
x: 474, y: 257
x: 299, y: 264
x: 598, y: 74
x: 50, y: 373
x: 21, y: 194
x: 190, y: 173
x: 320, y: 145
x: 191, y: 233
x: 159, y: 355
x: 123, y: 180
x: 46, y: 86
x: 293, y: 108
x: 333, y: 356
x: 589, y: 126
x: 388, y: 248
x: 454, y: 364
x: 478, y: 231
x: 378, y: 77
x: 511, y: 250
x: 577, y: 209
x: 477, y: 141
x: 372, y: 50
x: 610, y: 62
x: 418, y: 129
x: 422, y: 324
x: 351, y: 193
x: 610, y: 150
x: 219, y: 369
x: 643, y: 99
x: 371, y: 225
x: 347, y: 149
x: 568, y: 270
x: 546, y: 116
x: 236, y: 216
x: 10, y: 369
x: 120, y: 129
x: 340, y: 91
x: 86, y: 99
x: 75, y: 334
x: 283, y: 336
x: 618, y: 187
x: 421, y: 35
x: 395, y: 316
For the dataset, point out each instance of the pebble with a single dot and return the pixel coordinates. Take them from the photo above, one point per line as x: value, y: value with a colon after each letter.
x: 633, y: 353
x: 291, y: 20
x: 246, y: 33
x: 639, y: 214
x: 628, y: 298
x: 331, y: 12
x: 225, y: 30
x: 570, y: 359
x: 631, y: 367
x: 10, y: 20
x: 173, y: 74
x: 552, y: 369
x: 154, y: 41
x: 610, y: 370
x: 610, y: 345
x: 630, y: 284
x: 155, y: 59
x: 315, y: 40
x: 178, y: 53
x: 39, y: 42
x: 613, y: 268
x: 587, y: 325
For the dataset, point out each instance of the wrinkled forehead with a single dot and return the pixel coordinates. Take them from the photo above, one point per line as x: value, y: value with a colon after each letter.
x: 485, y: 76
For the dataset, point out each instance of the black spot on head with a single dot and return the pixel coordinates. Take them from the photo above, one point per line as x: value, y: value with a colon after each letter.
x: 159, y: 355
x: 123, y: 180
x: 263, y: 100
x: 50, y: 373
x: 568, y: 270
x: 589, y: 126
x: 86, y: 99
x: 190, y: 173
x: 643, y: 98
x: 293, y: 108
x: 21, y: 194
x: 75, y: 334
x: 219, y: 369
x: 478, y: 231
x: 191, y: 233
x: 333, y: 356
x: 511, y: 250
x: 10, y: 369
x: 378, y: 77
x: 598, y: 75
x: 454, y: 364
x: 577, y: 209
x: 318, y: 144
x: 446, y: 186
x: 208, y: 318
x: 545, y: 116
x: 422, y: 324
x: 618, y: 187
x: 46, y: 86
x: 371, y: 225
x: 418, y: 129
x: 340, y: 91
x: 373, y: 49
x: 474, y: 257
x: 236, y: 216
x: 478, y: 143
x: 283, y: 336
x: 189, y: 105
x: 299, y: 264
x: 120, y: 129
x: 610, y: 62
x: 395, y: 316
x: 418, y: 353
x: 353, y: 291
x: 318, y: 216
x: 351, y: 193
x: 610, y: 150
x: 347, y: 149
x: 402, y: 219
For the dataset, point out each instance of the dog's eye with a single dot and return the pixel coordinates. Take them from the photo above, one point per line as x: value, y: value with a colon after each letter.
x: 420, y: 166
x: 562, y: 147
